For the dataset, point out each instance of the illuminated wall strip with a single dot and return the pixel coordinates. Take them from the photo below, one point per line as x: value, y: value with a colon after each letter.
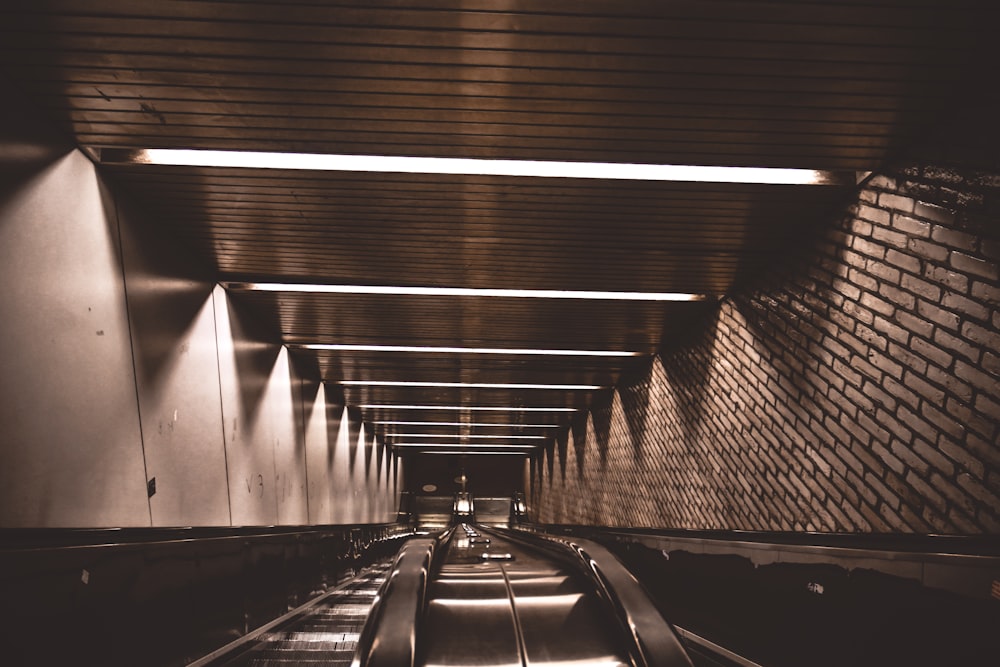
x: 464, y: 350
x: 467, y: 291
x: 468, y: 385
x: 480, y: 167
x: 373, y: 406
x: 471, y: 424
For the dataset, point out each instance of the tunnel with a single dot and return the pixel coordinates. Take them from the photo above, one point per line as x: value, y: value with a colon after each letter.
x: 475, y: 332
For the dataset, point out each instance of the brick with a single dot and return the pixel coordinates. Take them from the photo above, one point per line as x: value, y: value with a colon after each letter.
x: 887, y: 496
x: 890, y: 238
x: 901, y: 393
x: 895, y: 332
x: 934, y: 213
x: 961, y: 456
x: 896, y: 202
x: 860, y: 227
x: 903, y: 261
x: 884, y: 272
x: 867, y: 248
x: 991, y: 363
x: 873, y: 214
x: 911, y: 226
x: 928, y: 453
x: 914, y: 324
x: 928, y: 493
x: 986, y: 292
x: 950, y: 279
x: 869, y: 425
x: 897, y: 428
x: 847, y: 373
x: 907, y: 456
x: 897, y: 296
x: 965, y: 306
x: 941, y: 420
x: 988, y: 407
x: 881, y: 450
x: 878, y: 305
x: 928, y: 250
x: 906, y: 358
x: 974, y: 265
x: 858, y: 312
x: 954, y: 495
x: 882, y: 182
x: 981, y: 336
x: 885, y: 364
x: 923, y: 288
x: 845, y: 288
x: 862, y: 280
x: 875, y: 393
x: 974, y: 422
x: 952, y: 384
x: 938, y: 315
x: 954, y: 238
x: 932, y: 353
x: 956, y: 345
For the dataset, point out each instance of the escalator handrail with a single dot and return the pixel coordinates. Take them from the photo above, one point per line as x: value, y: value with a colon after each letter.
x: 389, y: 637
x: 654, y: 641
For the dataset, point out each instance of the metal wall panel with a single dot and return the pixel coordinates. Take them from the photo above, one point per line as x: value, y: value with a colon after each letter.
x: 173, y: 333
x: 70, y: 443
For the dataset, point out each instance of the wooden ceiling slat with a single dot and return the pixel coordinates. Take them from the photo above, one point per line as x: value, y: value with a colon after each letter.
x: 804, y: 84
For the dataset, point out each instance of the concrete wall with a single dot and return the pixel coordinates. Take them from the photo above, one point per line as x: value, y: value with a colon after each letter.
x: 856, y: 390
x: 123, y: 365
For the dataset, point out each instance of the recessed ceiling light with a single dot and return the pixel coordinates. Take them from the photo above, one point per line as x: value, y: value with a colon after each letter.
x: 471, y: 424
x: 466, y: 291
x: 463, y: 350
x: 467, y: 385
x: 482, y: 167
x: 371, y: 406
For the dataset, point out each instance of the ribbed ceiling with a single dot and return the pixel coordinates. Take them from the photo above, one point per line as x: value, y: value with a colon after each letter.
x: 824, y: 85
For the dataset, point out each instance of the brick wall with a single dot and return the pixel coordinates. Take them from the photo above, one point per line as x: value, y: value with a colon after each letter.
x: 854, y: 391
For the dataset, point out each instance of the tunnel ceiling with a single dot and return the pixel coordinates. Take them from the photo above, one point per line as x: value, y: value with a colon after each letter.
x: 816, y: 85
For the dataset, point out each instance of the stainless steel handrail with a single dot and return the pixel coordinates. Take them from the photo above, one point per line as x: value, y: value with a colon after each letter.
x: 654, y: 641
x: 389, y: 637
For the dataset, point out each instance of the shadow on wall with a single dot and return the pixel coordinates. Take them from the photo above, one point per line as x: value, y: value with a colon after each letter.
x: 253, y: 357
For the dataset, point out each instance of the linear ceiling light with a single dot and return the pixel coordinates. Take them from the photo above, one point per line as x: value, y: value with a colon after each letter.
x: 466, y: 291
x: 474, y: 424
x: 467, y: 385
x: 371, y: 406
x: 497, y: 436
x: 464, y: 350
x: 478, y: 453
x: 482, y: 167
x: 452, y: 445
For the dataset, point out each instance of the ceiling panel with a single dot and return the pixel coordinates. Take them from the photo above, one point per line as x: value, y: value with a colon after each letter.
x: 818, y: 85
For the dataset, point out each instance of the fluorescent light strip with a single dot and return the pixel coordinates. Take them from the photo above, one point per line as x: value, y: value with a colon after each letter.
x: 469, y: 385
x: 459, y: 435
x: 473, y: 424
x: 465, y: 350
x: 467, y: 291
x: 491, y: 408
x: 480, y: 453
x: 480, y: 167
x: 452, y: 445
